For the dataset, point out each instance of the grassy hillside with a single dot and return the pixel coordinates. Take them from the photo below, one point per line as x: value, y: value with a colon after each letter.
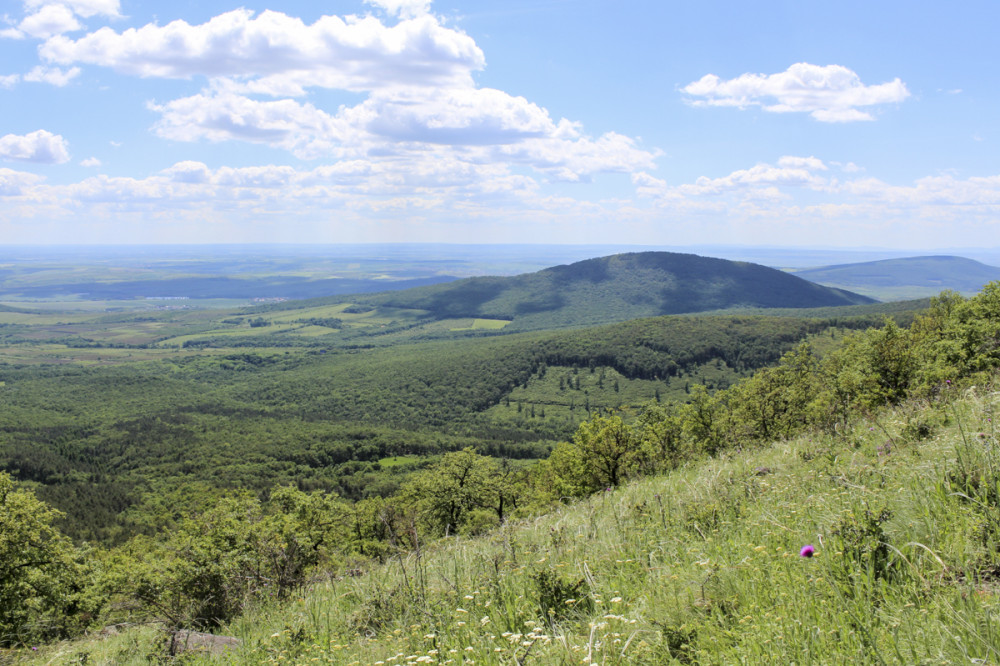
x: 616, y: 288
x: 907, y: 278
x: 702, y: 566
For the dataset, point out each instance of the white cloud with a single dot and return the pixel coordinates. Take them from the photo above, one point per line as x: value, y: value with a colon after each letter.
x: 15, y: 183
x: 422, y: 110
x: 300, y: 128
x: 798, y: 202
x: 52, y: 75
x: 458, y: 116
x: 945, y: 191
x: 790, y: 172
x: 40, y: 146
x: 48, y: 21
x: 465, y: 124
x: 829, y: 94
x: 792, y: 162
x: 763, y: 203
x: 403, y: 8
x: 9, y: 80
x: 90, y: 162
x: 189, y: 172
x: 85, y: 8
x: 265, y: 177
x: 761, y: 184
x: 353, y: 53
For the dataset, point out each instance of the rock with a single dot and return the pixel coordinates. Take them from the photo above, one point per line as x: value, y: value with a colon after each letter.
x: 194, y: 641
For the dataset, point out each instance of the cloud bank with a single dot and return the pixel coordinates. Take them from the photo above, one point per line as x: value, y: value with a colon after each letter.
x: 830, y: 94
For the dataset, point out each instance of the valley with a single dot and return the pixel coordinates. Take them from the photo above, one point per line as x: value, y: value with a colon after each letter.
x: 402, y: 418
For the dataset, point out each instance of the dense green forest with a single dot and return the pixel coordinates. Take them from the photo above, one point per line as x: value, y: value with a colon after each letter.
x: 209, y: 556
x: 95, y: 439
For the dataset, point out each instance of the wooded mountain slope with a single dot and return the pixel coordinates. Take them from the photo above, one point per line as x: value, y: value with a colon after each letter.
x: 617, y: 288
x: 919, y: 276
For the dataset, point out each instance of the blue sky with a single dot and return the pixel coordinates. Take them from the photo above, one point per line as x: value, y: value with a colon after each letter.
x: 849, y: 124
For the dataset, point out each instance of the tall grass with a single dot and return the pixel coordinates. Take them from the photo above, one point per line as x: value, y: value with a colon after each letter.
x: 700, y: 566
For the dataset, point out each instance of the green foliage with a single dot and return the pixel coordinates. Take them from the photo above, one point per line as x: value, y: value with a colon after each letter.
x: 609, y: 448
x: 41, y: 580
x: 559, y: 597
x: 700, y: 565
x: 660, y: 434
x: 99, y: 439
x: 959, y: 336
x: 216, y: 564
x: 464, y: 492
x: 863, y: 548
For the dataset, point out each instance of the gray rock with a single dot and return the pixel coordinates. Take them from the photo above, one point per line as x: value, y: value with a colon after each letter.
x: 194, y: 641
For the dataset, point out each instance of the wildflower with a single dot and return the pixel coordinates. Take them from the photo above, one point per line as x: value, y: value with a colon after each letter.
x: 807, y: 551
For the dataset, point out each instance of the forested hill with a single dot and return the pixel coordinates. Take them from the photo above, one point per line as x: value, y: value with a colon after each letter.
x: 910, y: 277
x: 616, y: 288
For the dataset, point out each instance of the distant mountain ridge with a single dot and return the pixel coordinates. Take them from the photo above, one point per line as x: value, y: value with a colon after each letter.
x: 616, y: 288
x: 909, y: 277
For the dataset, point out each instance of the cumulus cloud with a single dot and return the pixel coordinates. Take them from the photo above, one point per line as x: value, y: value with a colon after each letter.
x: 764, y: 201
x: 188, y: 172
x: 790, y: 172
x: 347, y: 53
x: 85, y: 8
x: 460, y: 116
x: 9, y: 80
x: 15, y: 183
x: 90, y: 162
x: 475, y: 125
x: 50, y: 20
x: 52, y: 75
x: 403, y: 8
x: 829, y: 93
x: 40, y: 146
x: 423, y: 135
x: 301, y: 129
x: 798, y: 198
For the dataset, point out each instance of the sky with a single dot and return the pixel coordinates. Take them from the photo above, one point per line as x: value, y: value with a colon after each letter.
x: 793, y: 123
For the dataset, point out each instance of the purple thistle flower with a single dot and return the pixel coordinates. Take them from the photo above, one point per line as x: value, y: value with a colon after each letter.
x: 807, y: 551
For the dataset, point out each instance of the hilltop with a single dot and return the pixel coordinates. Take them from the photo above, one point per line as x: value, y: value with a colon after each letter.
x: 616, y: 288
x: 910, y: 277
